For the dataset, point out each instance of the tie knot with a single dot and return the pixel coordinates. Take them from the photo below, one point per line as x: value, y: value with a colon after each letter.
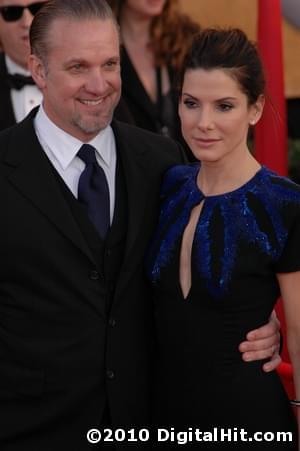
x: 87, y: 154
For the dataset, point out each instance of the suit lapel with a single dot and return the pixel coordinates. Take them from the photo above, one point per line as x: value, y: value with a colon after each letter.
x: 27, y: 168
x: 137, y: 186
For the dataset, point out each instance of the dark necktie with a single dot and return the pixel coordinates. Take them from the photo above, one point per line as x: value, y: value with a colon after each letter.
x: 18, y: 81
x: 93, y: 190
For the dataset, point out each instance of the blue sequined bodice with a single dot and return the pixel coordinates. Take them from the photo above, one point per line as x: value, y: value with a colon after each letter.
x: 252, y: 214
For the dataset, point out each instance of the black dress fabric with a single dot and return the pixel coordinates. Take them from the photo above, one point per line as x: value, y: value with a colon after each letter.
x: 242, y: 239
x: 137, y: 108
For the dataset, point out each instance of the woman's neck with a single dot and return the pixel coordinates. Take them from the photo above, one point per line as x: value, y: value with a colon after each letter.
x: 135, y: 28
x: 224, y: 176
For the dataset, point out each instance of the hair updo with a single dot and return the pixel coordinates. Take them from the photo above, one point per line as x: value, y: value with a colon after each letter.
x: 231, y: 50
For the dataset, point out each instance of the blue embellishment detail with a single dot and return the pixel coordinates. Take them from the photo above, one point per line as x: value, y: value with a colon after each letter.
x: 180, y: 195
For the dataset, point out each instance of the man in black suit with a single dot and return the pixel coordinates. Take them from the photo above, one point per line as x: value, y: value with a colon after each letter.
x: 18, y: 93
x: 76, y: 337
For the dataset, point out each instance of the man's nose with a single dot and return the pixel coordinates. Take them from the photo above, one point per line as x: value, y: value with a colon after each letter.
x: 26, y: 18
x: 96, y: 82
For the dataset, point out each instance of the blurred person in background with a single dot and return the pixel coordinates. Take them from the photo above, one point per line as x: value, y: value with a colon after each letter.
x: 155, y: 36
x: 18, y: 92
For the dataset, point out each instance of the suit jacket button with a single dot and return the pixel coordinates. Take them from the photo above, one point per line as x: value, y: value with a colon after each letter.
x: 112, y: 322
x: 110, y: 374
x: 94, y: 275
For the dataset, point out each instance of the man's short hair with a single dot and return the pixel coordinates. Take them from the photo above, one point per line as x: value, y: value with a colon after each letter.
x: 64, y: 9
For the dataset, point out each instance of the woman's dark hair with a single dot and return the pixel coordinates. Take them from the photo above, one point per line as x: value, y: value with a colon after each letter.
x: 229, y: 49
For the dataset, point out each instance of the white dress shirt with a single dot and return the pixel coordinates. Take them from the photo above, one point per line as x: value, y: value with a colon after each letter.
x: 23, y: 100
x: 61, y: 149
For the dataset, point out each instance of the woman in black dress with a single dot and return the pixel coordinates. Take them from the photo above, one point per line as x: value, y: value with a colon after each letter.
x: 226, y: 246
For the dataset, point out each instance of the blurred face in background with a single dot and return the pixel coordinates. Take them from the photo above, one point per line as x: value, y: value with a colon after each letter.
x: 144, y: 8
x: 14, y: 28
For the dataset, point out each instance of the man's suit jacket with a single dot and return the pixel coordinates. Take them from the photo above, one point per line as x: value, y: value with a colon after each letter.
x: 61, y: 357
x: 7, y: 115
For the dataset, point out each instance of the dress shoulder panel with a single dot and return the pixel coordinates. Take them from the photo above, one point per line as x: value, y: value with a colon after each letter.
x: 286, y: 195
x: 283, y: 195
x: 176, y: 176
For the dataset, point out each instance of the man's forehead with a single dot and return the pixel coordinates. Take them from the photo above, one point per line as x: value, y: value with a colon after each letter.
x: 83, y: 39
x: 95, y: 28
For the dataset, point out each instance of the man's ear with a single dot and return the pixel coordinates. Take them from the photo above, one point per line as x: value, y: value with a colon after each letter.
x: 38, y: 71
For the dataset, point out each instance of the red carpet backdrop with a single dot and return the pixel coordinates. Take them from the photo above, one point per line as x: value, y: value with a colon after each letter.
x: 271, y: 131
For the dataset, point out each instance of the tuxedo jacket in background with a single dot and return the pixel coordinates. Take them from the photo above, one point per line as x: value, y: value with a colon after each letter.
x: 7, y: 115
x: 65, y: 356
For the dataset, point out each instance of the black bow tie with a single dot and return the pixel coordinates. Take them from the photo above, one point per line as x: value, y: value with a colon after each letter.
x: 18, y: 81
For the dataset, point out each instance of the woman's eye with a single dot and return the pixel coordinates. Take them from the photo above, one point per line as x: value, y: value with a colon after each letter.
x: 189, y: 103
x: 225, y: 106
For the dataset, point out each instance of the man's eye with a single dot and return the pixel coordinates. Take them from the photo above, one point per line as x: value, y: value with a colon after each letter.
x: 76, y: 67
x: 111, y: 64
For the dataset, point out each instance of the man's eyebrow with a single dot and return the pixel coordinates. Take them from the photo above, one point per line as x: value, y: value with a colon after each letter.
x: 113, y: 58
x: 75, y: 61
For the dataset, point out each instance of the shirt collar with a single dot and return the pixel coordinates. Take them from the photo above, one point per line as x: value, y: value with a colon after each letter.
x: 64, y: 147
x: 14, y: 68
